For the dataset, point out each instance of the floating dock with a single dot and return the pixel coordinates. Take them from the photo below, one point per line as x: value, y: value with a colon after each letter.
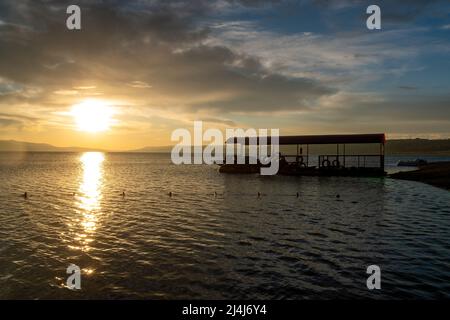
x: 340, y: 163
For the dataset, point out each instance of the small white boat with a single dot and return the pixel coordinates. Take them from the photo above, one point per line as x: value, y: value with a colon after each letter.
x: 412, y: 163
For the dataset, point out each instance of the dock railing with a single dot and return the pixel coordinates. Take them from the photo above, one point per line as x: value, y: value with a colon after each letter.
x: 336, y: 161
x: 349, y: 161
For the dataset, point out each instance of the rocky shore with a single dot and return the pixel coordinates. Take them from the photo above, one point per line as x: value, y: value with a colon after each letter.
x: 436, y: 174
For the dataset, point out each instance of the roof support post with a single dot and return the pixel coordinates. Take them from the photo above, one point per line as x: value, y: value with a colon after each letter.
x: 344, y: 155
x: 337, y: 153
x: 307, y: 155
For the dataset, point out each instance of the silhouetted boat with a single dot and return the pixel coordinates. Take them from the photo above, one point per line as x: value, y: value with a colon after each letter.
x: 412, y: 163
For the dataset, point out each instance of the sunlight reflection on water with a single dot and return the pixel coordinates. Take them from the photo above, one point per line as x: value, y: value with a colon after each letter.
x: 89, y: 196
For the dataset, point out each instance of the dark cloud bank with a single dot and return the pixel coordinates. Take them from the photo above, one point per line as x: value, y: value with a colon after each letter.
x: 155, y: 43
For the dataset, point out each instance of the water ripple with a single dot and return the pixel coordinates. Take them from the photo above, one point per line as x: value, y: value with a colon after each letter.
x: 214, y: 237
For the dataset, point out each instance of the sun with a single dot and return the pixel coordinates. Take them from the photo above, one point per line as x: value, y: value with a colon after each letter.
x: 93, y: 116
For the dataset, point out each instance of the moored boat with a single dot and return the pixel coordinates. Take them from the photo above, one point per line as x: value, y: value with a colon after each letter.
x: 412, y: 163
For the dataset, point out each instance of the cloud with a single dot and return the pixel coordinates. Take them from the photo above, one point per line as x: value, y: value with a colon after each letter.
x: 408, y: 87
x: 176, y: 60
x: 66, y: 92
x: 84, y: 87
x: 329, y: 59
x: 226, y: 122
x: 5, y: 122
x: 409, y: 106
x: 139, y: 84
x: 8, y: 87
x: 393, y: 11
x: 17, y: 122
x: 158, y: 43
x: 368, y: 112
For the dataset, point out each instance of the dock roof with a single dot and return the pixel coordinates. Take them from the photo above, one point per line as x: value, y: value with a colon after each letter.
x: 320, y: 139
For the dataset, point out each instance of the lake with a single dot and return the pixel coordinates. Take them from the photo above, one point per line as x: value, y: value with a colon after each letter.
x: 214, y: 238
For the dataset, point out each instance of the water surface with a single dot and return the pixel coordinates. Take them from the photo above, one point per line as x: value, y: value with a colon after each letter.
x: 197, y: 244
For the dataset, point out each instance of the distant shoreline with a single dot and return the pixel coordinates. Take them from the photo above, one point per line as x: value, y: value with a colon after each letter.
x: 399, y: 147
x: 436, y: 174
x: 412, y: 155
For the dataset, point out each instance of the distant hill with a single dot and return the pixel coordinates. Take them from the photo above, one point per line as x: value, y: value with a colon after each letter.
x: 21, y: 146
x: 161, y: 149
x: 393, y: 147
x: 418, y: 146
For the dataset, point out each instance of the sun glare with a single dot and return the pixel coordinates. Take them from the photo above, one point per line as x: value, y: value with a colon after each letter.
x: 92, y: 116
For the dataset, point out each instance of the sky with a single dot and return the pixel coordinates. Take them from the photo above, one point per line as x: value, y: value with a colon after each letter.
x: 305, y: 67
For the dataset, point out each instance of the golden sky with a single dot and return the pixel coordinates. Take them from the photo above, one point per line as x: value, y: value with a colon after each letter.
x: 141, y: 69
